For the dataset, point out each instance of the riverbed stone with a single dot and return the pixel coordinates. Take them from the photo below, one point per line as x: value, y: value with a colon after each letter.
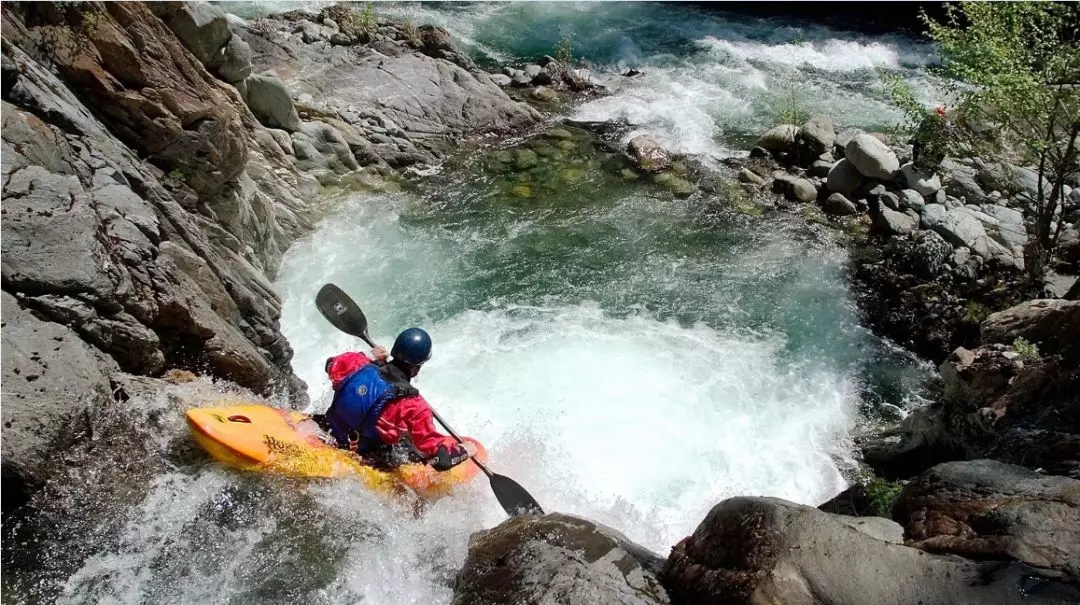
x: 837, y: 204
x: 872, y: 158
x: 844, y: 178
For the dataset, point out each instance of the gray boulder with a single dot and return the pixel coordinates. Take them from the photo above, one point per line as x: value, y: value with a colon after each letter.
x: 932, y: 215
x: 816, y: 136
x: 779, y: 139
x: 749, y: 176
x: 321, y: 146
x: 843, y: 138
x: 894, y: 222
x: 1049, y: 323
x: 926, y: 184
x: 909, y: 198
x: 872, y: 158
x: 269, y: 100
x: 234, y: 62
x: 839, y: 205
x: 984, y: 509
x: 51, y: 377
x: 959, y: 182
x: 803, y: 191
x: 202, y: 27
x: 500, y: 79
x: 820, y: 168
x: 554, y: 559
x: 765, y: 550
x: 844, y: 178
x: 960, y: 228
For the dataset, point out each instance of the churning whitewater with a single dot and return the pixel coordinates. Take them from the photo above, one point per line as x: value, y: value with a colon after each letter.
x: 625, y: 356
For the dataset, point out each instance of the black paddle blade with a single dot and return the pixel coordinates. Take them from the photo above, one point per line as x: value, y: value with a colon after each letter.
x: 513, y: 498
x: 339, y: 309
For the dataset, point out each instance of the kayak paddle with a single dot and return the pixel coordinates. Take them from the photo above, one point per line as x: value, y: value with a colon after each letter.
x: 344, y: 314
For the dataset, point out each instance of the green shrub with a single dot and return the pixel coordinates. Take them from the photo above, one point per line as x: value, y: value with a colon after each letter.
x: 1027, y: 350
x: 976, y: 312
x: 882, y: 493
x: 564, y: 48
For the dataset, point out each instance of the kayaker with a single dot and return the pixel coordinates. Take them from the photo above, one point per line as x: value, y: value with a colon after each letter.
x: 378, y: 414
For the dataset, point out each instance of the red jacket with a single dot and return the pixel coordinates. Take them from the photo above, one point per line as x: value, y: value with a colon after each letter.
x: 410, y: 415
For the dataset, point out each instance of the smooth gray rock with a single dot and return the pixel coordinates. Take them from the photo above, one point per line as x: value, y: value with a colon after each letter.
x: 960, y: 228
x: 269, y: 100
x: 959, y: 182
x: 816, y: 136
x: 926, y: 184
x: 844, y: 178
x: 554, y: 559
x: 909, y: 198
x: 820, y: 168
x: 895, y: 222
x: 319, y: 145
x: 202, y: 27
x: 889, y: 200
x: 803, y: 191
x: 749, y: 176
x: 839, y: 205
x: 779, y: 139
x: 235, y: 62
x: 872, y: 158
x: 766, y: 550
x: 500, y: 79
x: 843, y: 138
x: 932, y: 215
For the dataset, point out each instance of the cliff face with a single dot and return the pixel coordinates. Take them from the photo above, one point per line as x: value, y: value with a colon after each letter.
x: 104, y: 267
x: 146, y: 207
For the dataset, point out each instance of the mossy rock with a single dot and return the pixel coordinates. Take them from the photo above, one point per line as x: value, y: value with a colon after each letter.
x: 572, y: 176
x: 662, y: 178
x: 628, y: 174
x: 544, y: 150
x: 504, y: 156
x: 559, y: 133
x: 681, y: 187
x: 747, y: 206
x: 525, y: 158
x: 567, y: 145
x: 522, y: 191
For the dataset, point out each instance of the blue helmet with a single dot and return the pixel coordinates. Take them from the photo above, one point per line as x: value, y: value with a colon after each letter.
x: 413, y: 347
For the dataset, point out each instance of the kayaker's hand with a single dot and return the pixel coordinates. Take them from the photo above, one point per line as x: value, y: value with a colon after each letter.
x: 470, y: 447
x: 379, y: 354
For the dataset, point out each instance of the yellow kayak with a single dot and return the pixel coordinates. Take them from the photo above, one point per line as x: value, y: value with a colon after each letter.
x: 264, y: 438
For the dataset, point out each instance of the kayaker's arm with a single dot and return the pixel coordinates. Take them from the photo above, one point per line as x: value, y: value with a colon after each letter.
x: 413, y: 414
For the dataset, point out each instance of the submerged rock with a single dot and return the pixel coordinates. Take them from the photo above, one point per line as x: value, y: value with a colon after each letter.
x: 648, y: 153
x: 554, y: 559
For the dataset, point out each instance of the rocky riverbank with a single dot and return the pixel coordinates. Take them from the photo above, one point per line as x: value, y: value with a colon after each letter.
x: 158, y: 161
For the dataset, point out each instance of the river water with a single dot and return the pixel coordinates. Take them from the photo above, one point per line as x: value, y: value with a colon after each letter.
x: 625, y: 355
